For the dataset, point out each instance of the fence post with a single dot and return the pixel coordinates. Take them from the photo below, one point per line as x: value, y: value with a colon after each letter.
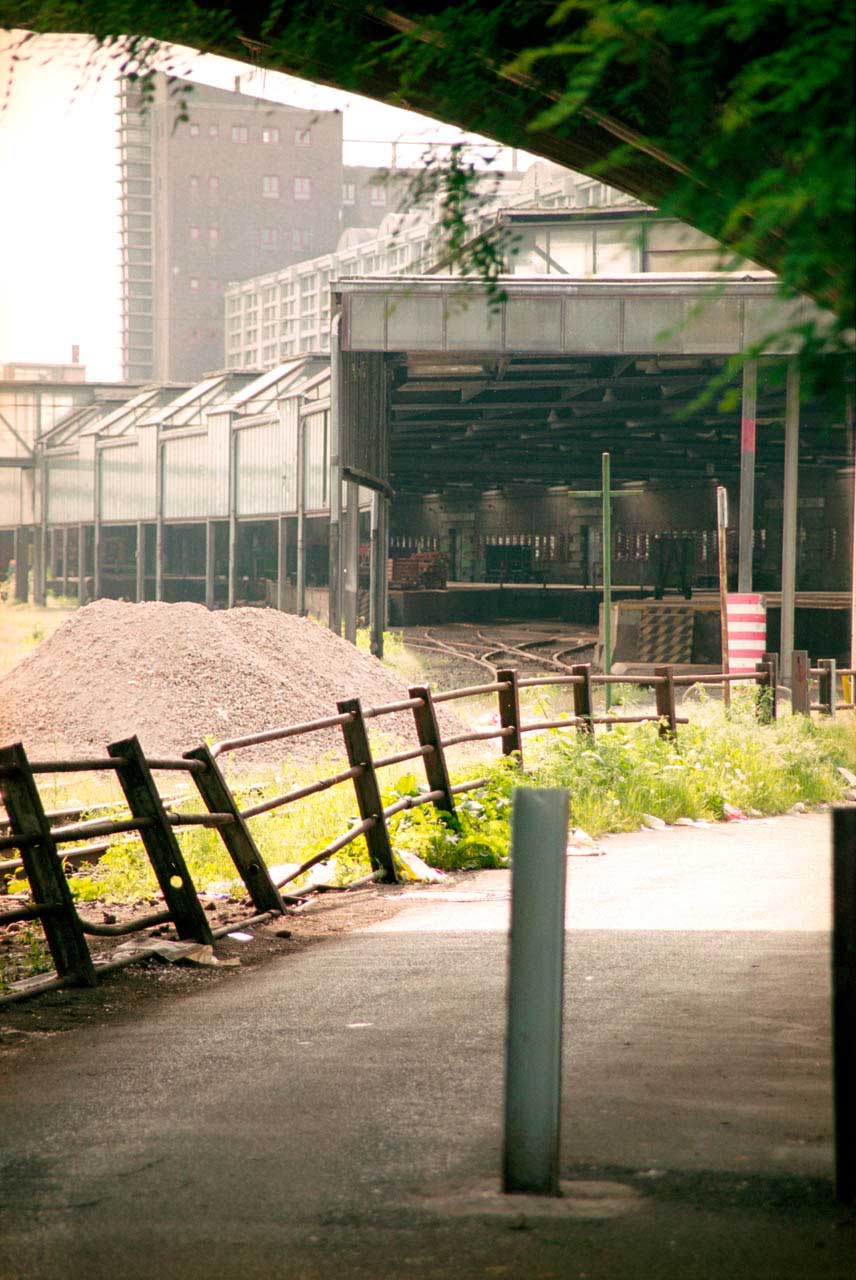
x: 800, y: 700
x: 664, y: 695
x: 827, y: 686
x: 368, y: 793
x: 533, y: 1072
x: 428, y: 732
x: 844, y: 999
x: 159, y: 841
x: 43, y: 867
x: 773, y: 683
x: 765, y: 689
x: 509, y: 714
x: 582, y: 697
x: 244, y: 852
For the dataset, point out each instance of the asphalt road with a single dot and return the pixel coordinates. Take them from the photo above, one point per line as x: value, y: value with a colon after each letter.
x: 338, y: 1113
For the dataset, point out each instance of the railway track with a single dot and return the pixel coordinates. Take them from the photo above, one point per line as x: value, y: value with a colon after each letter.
x: 491, y: 649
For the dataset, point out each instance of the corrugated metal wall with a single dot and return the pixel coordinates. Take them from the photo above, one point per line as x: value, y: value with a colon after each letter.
x: 187, y: 465
x: 11, y: 482
x: 317, y: 460
x: 263, y: 469
x: 70, y: 488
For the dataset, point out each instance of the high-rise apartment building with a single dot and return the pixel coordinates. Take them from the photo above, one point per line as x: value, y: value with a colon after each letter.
x: 241, y: 187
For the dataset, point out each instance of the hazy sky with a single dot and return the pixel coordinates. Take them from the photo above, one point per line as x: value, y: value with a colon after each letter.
x: 59, y: 254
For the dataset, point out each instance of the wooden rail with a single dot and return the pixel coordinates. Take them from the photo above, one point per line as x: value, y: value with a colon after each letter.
x: 37, y: 836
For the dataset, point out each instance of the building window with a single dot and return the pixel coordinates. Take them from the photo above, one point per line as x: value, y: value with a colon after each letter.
x: 240, y: 133
x: 270, y: 186
x: 213, y: 131
x: 213, y: 234
x: 377, y: 193
x: 194, y: 131
x: 349, y: 193
x: 303, y: 188
x: 194, y: 284
x: 213, y: 183
x: 270, y: 135
x: 194, y: 233
x: 303, y: 137
x: 268, y: 238
x: 301, y: 238
x: 194, y: 183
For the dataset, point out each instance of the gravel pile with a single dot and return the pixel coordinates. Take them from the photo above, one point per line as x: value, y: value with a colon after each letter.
x: 174, y: 674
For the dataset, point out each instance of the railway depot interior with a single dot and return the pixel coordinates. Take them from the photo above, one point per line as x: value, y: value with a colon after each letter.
x: 462, y: 443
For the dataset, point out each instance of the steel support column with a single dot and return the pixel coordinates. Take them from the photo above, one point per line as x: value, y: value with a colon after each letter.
x: 747, y: 475
x: 351, y: 559
x: 159, y: 532
x: 21, y: 541
x: 210, y: 534
x: 789, y: 514
x: 82, y: 593
x: 376, y: 576
x: 65, y: 560
x: 39, y: 595
x: 335, y: 561
x: 281, y: 560
x: 300, y: 584
x: 140, y: 563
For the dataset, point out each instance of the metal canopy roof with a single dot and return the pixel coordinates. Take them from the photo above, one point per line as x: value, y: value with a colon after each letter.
x: 544, y: 420
x: 705, y: 313
x: 530, y: 392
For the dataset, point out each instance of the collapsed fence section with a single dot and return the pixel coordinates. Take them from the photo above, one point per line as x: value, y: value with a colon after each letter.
x: 38, y: 833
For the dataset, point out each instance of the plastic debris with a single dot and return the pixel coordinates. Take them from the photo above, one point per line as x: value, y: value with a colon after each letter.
x: 731, y: 813
x: 240, y: 936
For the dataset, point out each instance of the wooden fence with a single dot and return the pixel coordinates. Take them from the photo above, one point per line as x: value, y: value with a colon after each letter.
x: 38, y: 834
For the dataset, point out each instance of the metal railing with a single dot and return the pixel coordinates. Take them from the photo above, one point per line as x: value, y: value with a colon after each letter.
x: 37, y: 834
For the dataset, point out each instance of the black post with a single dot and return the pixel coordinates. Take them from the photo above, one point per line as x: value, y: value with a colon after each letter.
x: 582, y: 697
x: 159, y: 840
x: 43, y: 867
x: 773, y: 683
x: 428, y: 732
x: 664, y: 694
x: 800, y: 700
x: 366, y: 787
x: 827, y: 685
x: 844, y: 999
x: 509, y: 714
x: 244, y: 852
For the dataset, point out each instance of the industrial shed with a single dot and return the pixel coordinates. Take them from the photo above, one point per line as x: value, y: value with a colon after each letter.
x: 472, y: 428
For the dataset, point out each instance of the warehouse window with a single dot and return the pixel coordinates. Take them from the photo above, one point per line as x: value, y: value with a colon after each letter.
x: 302, y: 188
x: 213, y: 234
x: 303, y: 137
x: 349, y: 193
x: 270, y: 186
x: 194, y: 131
x: 194, y: 183
x: 270, y: 135
x: 240, y: 133
x: 213, y: 131
x: 194, y: 233
x: 268, y: 238
x: 213, y: 183
x: 194, y: 284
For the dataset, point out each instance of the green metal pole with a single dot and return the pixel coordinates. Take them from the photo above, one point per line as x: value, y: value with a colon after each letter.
x: 607, y: 575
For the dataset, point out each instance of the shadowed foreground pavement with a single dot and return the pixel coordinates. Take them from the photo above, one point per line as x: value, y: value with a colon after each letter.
x: 310, y: 1120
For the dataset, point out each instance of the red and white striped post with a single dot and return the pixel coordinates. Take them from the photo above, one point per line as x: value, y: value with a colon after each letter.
x: 746, y: 622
